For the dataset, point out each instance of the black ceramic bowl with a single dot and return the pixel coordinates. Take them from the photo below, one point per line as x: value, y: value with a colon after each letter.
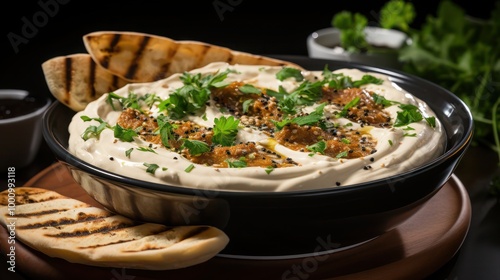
x: 283, y: 224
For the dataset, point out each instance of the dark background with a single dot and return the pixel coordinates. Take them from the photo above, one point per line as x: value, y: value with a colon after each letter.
x: 260, y: 27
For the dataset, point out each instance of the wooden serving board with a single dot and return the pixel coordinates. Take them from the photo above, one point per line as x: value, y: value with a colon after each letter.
x: 413, y: 250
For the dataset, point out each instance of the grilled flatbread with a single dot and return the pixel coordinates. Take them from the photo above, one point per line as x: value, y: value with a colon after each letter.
x: 140, y: 57
x: 67, y: 228
x: 75, y: 80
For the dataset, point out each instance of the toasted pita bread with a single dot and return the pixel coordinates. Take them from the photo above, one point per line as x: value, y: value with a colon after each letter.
x: 75, y: 80
x: 140, y: 57
x: 67, y: 228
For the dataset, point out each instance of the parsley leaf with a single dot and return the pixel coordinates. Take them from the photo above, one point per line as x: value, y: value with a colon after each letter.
x: 341, y: 81
x: 318, y: 147
x: 195, y: 147
x: 145, y: 149
x: 410, y: 114
x: 237, y: 163
x: 128, y: 152
x: 225, y: 130
x: 379, y: 99
x: 124, y: 134
x: 309, y: 119
x: 269, y: 169
x: 249, y: 89
x: 92, y: 130
x: 246, y: 105
x: 288, y: 72
x: 306, y: 94
x: 193, y: 95
x: 151, y: 167
x: 189, y: 168
x: 165, y: 129
x: 132, y: 100
x: 348, y: 106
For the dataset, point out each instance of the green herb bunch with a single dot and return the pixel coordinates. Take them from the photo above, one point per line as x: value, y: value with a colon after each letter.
x: 395, y: 14
x: 462, y: 54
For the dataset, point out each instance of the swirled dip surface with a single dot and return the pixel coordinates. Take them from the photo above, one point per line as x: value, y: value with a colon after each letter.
x: 259, y: 128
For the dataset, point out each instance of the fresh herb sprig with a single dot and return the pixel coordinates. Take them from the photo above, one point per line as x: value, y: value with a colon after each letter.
x: 93, y: 131
x: 133, y: 101
x: 396, y: 14
x: 307, y: 93
x: 461, y: 53
x: 308, y: 119
x: 194, y: 94
x: 225, y: 131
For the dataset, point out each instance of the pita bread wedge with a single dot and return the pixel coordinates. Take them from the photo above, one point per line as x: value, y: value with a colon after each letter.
x: 67, y: 228
x: 75, y: 80
x: 140, y: 57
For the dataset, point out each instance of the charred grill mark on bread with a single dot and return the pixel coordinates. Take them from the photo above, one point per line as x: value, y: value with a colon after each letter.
x: 92, y: 77
x: 135, y: 63
x: 81, y: 218
x: 68, y: 79
x: 115, y: 38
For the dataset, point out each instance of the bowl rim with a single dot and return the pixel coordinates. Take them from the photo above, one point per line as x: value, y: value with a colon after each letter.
x: 461, y: 145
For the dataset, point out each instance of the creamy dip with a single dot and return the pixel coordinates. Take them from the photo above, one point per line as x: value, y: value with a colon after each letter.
x: 398, y: 149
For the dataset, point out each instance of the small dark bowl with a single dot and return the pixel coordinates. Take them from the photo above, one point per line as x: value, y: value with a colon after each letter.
x: 283, y: 224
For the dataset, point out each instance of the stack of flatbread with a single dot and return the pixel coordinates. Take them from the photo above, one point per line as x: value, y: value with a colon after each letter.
x: 117, y: 58
x: 66, y: 228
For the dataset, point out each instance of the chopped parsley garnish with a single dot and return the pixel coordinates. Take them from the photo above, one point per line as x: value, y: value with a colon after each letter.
x: 409, y: 114
x: 342, y: 154
x: 269, y: 169
x: 379, y: 99
x: 309, y: 119
x: 289, y: 72
x: 318, y: 147
x: 151, y: 167
x: 246, y: 105
x: 93, y: 130
x: 237, y: 163
x: 250, y: 89
x: 225, y: 130
x: 195, y: 147
x: 124, y: 134
x: 349, y: 105
x: 306, y: 94
x: 146, y: 149
x: 128, y: 152
x: 165, y: 129
x: 345, y: 141
x: 133, y: 100
x: 341, y: 81
x: 193, y: 95
x: 189, y: 168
